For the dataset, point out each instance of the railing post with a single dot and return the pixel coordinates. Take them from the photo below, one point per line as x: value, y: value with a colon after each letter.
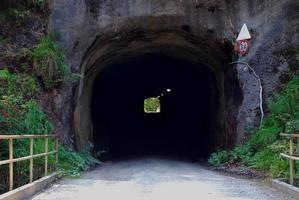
x: 298, y: 153
x: 11, y: 160
x: 291, y: 162
x: 56, y: 154
x: 31, y: 160
x: 46, y: 155
x: 10, y: 143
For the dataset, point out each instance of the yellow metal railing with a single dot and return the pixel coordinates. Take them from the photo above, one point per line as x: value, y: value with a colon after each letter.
x: 292, y: 156
x: 11, y: 160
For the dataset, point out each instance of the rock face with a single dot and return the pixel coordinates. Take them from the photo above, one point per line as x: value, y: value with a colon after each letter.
x: 95, y: 33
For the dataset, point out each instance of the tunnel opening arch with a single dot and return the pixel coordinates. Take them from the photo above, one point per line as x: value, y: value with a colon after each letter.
x: 199, y: 53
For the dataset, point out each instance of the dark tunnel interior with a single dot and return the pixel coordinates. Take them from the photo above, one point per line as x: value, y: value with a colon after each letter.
x: 184, y: 128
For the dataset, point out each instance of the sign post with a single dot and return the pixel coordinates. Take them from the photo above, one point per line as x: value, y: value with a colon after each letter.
x: 243, y: 41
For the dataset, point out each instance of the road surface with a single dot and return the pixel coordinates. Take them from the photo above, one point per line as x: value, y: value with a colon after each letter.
x: 157, y: 178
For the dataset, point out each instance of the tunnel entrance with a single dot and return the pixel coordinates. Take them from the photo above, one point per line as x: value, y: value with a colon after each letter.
x: 121, y: 71
x: 185, y: 127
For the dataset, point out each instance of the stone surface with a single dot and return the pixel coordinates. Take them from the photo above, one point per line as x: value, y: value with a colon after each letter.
x: 273, y: 24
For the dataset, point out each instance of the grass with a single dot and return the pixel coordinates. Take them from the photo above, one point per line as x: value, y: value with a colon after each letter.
x: 49, y: 61
x: 72, y: 163
x: 262, y: 150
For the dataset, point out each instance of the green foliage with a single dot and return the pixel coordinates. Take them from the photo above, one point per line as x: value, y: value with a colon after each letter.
x: 242, y: 154
x: 23, y: 85
x: 20, y: 116
x: 152, y: 105
x: 217, y: 158
x: 265, y: 136
x: 49, y: 61
x: 263, y: 149
x: 71, y: 163
x: 268, y: 159
x: 33, y: 5
x: 35, y: 120
x: 20, y: 112
x: 16, y: 14
x: 292, y: 126
x: 74, y: 77
x: 38, y: 5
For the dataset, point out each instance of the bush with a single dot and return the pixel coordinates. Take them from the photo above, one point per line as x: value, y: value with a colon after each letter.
x: 263, y: 149
x: 216, y: 159
x: 49, y: 61
x: 242, y: 154
x: 16, y: 14
x: 71, y: 163
x: 20, y: 116
x: 23, y: 85
x: 268, y: 159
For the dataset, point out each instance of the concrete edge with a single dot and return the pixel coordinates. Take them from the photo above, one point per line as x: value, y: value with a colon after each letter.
x: 30, y: 189
x: 279, y: 184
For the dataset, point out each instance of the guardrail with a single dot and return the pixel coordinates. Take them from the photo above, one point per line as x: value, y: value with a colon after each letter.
x: 292, y: 156
x: 11, y: 160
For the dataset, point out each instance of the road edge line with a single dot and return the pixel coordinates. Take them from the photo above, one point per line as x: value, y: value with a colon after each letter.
x: 30, y: 189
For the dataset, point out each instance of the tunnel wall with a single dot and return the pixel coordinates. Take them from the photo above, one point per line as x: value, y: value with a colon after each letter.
x: 85, y: 26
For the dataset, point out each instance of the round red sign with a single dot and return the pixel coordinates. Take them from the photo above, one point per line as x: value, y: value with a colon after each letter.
x: 243, y: 47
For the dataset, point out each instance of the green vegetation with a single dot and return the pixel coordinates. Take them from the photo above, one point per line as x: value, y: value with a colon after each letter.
x: 16, y: 14
x: 27, y: 70
x: 152, y: 105
x: 216, y: 159
x: 21, y: 114
x: 72, y: 163
x: 33, y: 5
x: 23, y: 85
x: 49, y: 61
x: 263, y: 149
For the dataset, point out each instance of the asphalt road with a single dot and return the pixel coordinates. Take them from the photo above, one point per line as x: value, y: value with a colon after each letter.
x: 157, y: 178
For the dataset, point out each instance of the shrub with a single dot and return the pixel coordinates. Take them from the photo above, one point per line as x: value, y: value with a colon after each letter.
x: 23, y: 85
x: 16, y: 14
x: 49, y: 61
x: 20, y: 116
x: 216, y: 159
x: 268, y: 159
x: 263, y: 148
x: 242, y: 154
x: 71, y: 163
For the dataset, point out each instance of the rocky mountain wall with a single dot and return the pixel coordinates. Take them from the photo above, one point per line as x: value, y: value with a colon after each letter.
x: 85, y: 25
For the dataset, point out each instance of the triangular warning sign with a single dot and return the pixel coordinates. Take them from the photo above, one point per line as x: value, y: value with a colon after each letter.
x: 244, y: 34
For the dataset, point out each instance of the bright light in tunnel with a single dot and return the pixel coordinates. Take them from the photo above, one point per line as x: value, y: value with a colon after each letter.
x: 152, y: 105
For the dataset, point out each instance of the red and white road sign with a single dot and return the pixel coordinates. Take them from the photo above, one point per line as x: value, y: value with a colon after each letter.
x: 243, y: 41
x: 243, y: 47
